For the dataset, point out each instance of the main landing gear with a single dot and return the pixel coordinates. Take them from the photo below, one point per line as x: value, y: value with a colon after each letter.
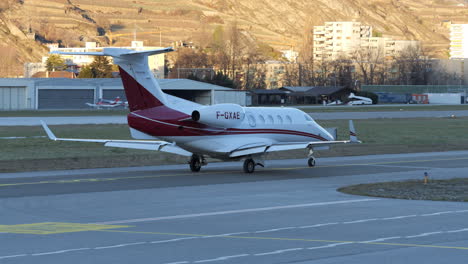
x: 250, y: 163
x: 196, y: 162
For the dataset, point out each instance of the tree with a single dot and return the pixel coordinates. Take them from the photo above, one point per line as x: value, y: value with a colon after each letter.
x: 412, y: 66
x: 370, y: 62
x: 55, y: 63
x: 86, y: 72
x: 99, y: 68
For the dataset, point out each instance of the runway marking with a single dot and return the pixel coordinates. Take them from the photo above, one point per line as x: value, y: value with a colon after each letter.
x: 398, y: 217
x: 318, y: 225
x: 222, y: 258
x: 332, y: 245
x: 425, y: 234
x: 276, y: 229
x: 85, y: 180
x: 171, y: 240
x: 438, y: 213
x: 54, y: 228
x: 361, y: 221
x: 240, y: 211
x: 59, y: 252
x: 13, y: 256
x: 278, y: 251
x: 459, y: 230
x: 121, y: 245
x: 335, y: 242
x: 380, y: 239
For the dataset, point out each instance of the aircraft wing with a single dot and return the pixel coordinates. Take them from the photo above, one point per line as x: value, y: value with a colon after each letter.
x: 131, y: 144
x: 265, y: 148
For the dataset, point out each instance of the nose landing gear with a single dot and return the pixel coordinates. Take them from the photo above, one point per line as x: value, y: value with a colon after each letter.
x: 311, y: 158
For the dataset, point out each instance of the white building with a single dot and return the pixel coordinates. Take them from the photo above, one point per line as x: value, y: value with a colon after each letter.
x: 338, y: 38
x: 290, y: 55
x: 458, y: 41
x: 155, y: 62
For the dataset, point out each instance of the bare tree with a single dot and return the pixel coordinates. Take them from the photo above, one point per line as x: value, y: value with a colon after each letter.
x: 412, y: 66
x: 370, y: 62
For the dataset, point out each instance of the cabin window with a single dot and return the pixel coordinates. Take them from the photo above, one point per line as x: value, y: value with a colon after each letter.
x: 280, y: 119
x: 261, y: 119
x: 270, y: 119
x: 288, y: 119
x: 251, y: 119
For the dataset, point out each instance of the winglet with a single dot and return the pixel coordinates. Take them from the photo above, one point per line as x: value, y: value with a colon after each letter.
x: 48, y: 131
x: 352, y: 133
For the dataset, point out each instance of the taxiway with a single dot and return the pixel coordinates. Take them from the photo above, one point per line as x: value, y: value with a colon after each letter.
x: 286, y: 213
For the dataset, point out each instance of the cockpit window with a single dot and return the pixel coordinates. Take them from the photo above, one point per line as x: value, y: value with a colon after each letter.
x: 288, y: 119
x: 308, y: 118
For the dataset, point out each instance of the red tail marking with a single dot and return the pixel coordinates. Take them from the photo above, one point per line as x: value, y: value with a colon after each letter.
x: 138, y: 97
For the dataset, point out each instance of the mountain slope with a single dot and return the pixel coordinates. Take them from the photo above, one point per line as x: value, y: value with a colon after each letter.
x: 279, y: 23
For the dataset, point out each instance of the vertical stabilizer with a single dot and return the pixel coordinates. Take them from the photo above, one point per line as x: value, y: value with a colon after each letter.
x: 141, y: 87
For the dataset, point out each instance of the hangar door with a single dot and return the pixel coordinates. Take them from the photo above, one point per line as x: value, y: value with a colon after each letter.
x: 65, y: 98
x: 12, y: 98
x: 111, y: 94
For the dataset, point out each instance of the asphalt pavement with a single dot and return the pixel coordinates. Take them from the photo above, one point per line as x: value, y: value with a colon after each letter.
x: 68, y: 120
x: 285, y: 213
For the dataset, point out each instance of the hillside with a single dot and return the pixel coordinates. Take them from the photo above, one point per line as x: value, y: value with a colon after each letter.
x: 279, y: 23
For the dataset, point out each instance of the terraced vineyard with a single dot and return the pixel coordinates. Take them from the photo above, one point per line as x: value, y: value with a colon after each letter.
x: 279, y: 23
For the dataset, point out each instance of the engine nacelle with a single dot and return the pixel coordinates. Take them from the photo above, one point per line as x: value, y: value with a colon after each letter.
x: 220, y: 115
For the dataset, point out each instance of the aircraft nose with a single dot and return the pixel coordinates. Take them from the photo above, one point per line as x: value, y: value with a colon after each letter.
x: 325, y: 134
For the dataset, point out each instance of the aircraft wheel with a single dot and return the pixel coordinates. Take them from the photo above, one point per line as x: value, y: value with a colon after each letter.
x: 249, y: 166
x: 311, y: 162
x: 195, y: 164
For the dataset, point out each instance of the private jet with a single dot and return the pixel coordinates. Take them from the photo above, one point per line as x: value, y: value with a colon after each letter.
x: 228, y: 132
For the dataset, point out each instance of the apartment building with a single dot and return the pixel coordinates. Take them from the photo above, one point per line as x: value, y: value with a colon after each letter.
x: 336, y: 39
x: 458, y: 41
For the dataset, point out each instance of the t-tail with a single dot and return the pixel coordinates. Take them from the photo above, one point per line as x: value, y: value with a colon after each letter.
x: 141, y: 87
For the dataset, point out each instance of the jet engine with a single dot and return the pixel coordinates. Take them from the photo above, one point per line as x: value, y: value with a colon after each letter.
x: 220, y: 115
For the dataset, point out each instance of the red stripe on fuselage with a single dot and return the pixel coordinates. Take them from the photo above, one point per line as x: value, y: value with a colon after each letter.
x: 163, y: 121
x: 137, y: 96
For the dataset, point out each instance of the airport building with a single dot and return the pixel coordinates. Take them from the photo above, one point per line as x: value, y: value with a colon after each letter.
x: 62, y: 93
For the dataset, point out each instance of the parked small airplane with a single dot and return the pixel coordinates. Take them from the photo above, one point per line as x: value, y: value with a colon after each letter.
x: 108, y: 103
x: 358, y: 100
x: 221, y: 131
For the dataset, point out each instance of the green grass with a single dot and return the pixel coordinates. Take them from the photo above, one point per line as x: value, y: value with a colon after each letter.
x: 380, y: 136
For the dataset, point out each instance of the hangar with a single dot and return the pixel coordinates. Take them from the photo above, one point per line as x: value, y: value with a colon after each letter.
x: 62, y: 93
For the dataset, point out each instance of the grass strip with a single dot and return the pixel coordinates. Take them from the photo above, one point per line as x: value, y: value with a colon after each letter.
x: 380, y: 136
x: 435, y: 190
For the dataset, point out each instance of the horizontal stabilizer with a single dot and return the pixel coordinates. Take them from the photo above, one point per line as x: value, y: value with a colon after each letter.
x: 117, y: 52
